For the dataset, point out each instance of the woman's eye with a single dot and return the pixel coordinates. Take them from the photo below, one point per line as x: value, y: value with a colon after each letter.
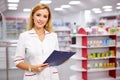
x: 45, y: 16
x: 38, y: 15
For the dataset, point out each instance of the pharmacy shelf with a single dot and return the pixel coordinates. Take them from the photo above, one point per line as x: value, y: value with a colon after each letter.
x: 95, y: 35
x: 77, y: 35
x: 75, y: 68
x: 64, y: 39
x: 102, y: 58
x: 100, y: 69
x: 105, y: 78
x: 76, y: 57
x: 118, y: 46
x: 118, y: 68
x: 75, y: 77
x: 118, y: 78
x: 12, y: 67
x: 78, y: 46
x: 87, y: 44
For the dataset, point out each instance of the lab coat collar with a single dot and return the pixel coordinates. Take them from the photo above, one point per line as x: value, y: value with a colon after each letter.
x: 32, y: 32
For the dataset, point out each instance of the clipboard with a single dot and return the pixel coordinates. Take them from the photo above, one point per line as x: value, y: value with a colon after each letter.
x: 58, y: 57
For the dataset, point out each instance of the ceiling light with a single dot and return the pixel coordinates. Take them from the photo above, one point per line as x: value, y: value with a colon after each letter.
x: 12, y: 8
x: 45, y: 1
x: 58, y: 9
x: 74, y: 2
x: 118, y: 3
x: 97, y: 12
x: 96, y: 9
x: 107, y: 7
x: 13, y: 1
x: 15, y: 5
x: 118, y: 7
x: 26, y: 10
x: 65, y: 6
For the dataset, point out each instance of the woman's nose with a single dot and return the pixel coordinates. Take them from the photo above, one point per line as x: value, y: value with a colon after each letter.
x: 41, y: 18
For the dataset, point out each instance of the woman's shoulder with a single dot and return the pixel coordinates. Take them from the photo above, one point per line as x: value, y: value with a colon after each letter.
x: 24, y: 33
x: 53, y: 33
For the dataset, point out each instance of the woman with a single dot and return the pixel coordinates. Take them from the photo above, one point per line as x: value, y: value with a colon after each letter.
x: 36, y: 44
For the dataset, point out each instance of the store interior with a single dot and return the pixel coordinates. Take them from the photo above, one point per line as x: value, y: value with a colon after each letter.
x: 91, y: 28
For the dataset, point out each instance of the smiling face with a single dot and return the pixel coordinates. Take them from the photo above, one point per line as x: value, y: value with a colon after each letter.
x: 40, y: 18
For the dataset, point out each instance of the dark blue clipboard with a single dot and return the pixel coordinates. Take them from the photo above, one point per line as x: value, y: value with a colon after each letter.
x: 58, y: 57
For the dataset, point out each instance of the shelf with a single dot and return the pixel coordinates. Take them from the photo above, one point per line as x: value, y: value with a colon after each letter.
x: 107, y: 78
x: 118, y: 57
x: 97, y: 35
x: 118, y: 35
x: 118, y: 68
x: 62, y: 28
x: 85, y: 47
x: 102, y: 46
x: 64, y: 41
x: 102, y: 58
x: 100, y: 69
x: 117, y: 77
x: 77, y: 46
x: 63, y: 35
x: 74, y: 77
x: 78, y: 58
x: 75, y: 68
x: 13, y: 68
x: 94, y: 35
x: 2, y: 68
x: 118, y: 46
x: 77, y: 35
x: 63, y: 45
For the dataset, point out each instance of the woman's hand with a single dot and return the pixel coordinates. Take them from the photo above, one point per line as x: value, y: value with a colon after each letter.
x: 38, y: 68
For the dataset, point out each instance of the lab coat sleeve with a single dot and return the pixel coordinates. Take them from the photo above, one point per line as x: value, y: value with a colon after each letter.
x: 20, y: 50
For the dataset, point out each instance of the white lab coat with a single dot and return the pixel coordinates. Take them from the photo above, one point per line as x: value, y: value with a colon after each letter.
x: 34, y: 51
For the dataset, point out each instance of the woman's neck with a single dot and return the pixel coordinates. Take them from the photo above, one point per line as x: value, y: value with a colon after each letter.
x: 40, y: 31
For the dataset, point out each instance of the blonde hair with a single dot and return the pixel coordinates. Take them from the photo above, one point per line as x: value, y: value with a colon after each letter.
x: 48, y: 25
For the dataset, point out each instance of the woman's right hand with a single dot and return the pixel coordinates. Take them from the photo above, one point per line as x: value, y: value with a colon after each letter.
x: 38, y: 68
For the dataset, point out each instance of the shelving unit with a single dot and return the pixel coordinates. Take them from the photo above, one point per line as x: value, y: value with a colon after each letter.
x: 7, y: 51
x: 64, y: 38
x: 96, y: 56
x: 14, y: 26
x: 0, y: 29
x: 118, y: 58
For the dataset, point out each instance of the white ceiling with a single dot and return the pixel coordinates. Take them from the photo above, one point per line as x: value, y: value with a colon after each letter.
x: 84, y: 5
